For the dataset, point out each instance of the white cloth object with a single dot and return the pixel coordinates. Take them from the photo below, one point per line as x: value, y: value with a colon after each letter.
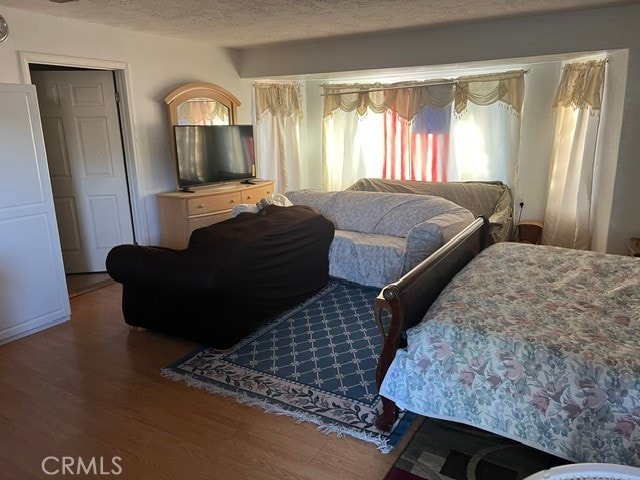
x: 274, y: 199
x: 271, y: 199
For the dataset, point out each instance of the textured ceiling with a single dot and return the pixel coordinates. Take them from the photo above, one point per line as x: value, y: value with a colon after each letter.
x: 243, y: 23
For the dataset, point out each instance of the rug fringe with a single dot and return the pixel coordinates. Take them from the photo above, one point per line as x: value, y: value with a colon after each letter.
x: 269, y: 407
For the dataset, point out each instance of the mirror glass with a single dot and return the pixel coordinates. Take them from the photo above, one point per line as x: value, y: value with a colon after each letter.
x: 203, y: 111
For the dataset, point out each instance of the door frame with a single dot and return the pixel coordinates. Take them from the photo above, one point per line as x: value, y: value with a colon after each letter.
x: 122, y: 75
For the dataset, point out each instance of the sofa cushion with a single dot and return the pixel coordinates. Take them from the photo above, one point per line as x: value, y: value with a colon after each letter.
x: 481, y: 198
x: 490, y: 199
x: 367, y: 259
x: 374, y: 212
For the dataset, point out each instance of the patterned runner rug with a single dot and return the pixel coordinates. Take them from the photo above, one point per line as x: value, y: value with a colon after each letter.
x: 442, y: 450
x: 316, y: 363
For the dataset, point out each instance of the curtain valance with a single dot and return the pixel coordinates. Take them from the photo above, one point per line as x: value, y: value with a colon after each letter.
x: 280, y: 99
x: 581, y: 85
x: 506, y: 87
x: 408, y: 98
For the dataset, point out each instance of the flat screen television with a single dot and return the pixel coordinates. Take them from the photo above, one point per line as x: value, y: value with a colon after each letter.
x: 214, y: 153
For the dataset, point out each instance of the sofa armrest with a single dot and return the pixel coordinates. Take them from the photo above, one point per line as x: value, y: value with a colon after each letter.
x: 500, y: 226
x: 500, y: 218
x: 162, y: 267
x: 426, y: 237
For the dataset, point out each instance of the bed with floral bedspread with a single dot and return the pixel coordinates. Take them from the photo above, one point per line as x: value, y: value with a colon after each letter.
x: 538, y: 344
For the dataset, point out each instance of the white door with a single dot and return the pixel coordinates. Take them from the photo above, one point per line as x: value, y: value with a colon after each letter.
x: 86, y: 164
x: 33, y: 292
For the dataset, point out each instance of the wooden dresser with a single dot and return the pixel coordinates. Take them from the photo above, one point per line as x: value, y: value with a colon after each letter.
x: 181, y: 212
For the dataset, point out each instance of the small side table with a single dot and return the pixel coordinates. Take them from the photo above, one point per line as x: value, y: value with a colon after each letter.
x: 634, y: 247
x: 530, y: 231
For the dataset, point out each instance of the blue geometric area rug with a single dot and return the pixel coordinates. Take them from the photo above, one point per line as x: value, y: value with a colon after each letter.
x: 315, y: 362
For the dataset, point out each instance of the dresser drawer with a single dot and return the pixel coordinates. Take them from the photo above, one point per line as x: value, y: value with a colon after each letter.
x: 255, y: 194
x: 206, y: 220
x: 213, y: 203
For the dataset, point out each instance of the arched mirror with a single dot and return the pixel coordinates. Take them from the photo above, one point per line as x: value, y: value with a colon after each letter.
x: 201, y: 103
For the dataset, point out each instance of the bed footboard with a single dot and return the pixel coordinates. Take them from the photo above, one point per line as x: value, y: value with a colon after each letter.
x: 408, y: 299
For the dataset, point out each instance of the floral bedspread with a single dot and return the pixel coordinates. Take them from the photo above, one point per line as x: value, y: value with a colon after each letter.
x: 538, y: 344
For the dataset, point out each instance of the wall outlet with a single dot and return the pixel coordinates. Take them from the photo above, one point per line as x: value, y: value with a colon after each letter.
x: 521, y: 202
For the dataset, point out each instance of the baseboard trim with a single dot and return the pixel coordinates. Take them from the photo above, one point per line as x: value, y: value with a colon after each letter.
x: 31, y: 331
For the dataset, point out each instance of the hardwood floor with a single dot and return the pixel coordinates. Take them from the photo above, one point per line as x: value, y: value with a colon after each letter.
x: 90, y: 388
x: 81, y: 283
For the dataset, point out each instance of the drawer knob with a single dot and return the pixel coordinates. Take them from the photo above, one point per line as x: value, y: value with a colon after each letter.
x: 201, y: 206
x: 232, y: 201
x: 248, y: 197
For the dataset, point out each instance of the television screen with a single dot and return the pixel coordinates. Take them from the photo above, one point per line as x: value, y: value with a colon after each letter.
x: 214, y: 153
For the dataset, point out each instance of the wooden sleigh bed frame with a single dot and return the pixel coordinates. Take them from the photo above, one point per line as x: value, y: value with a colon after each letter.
x: 408, y: 299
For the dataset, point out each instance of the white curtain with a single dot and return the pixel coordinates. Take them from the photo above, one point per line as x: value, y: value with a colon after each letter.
x: 568, y: 213
x: 353, y: 148
x: 278, y: 129
x: 485, y: 145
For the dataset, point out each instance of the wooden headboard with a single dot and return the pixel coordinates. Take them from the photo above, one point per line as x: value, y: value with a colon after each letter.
x: 408, y: 299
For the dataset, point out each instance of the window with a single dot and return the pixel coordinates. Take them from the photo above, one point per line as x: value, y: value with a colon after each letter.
x: 449, y: 131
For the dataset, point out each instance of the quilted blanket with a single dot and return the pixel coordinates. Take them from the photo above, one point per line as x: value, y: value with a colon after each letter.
x: 538, y: 344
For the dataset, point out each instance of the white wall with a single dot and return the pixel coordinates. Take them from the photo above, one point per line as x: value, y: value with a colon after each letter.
x: 536, y: 138
x: 588, y: 31
x: 157, y: 66
x: 606, y: 156
x: 314, y: 108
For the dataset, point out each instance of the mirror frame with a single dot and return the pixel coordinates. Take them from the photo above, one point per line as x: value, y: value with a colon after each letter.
x: 200, y: 90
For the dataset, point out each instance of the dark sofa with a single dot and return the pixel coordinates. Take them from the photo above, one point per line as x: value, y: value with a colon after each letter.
x: 233, y: 276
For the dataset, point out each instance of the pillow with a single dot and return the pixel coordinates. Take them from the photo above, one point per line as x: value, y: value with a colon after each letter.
x: 244, y: 207
x: 274, y: 199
